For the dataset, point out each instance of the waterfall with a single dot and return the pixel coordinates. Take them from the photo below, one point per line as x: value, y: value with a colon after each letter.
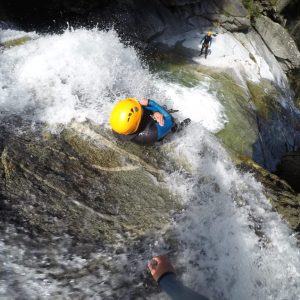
x: 229, y: 241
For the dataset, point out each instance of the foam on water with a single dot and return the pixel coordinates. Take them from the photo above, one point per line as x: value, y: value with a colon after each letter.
x: 197, y: 104
x: 80, y: 74
x: 230, y: 241
x: 76, y: 75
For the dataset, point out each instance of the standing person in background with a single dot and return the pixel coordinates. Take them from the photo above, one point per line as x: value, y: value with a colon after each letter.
x: 164, y: 274
x: 207, y: 39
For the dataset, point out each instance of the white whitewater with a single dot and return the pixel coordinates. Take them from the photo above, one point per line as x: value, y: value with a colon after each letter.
x: 79, y: 75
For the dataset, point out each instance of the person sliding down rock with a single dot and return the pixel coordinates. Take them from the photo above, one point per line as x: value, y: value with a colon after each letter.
x: 164, y: 274
x: 143, y: 122
x: 207, y: 39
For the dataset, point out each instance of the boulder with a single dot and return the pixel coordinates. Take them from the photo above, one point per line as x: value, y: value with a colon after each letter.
x: 233, y: 8
x: 279, y: 42
x: 235, y: 24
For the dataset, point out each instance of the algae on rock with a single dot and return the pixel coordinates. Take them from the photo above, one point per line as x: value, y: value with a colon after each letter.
x: 16, y: 42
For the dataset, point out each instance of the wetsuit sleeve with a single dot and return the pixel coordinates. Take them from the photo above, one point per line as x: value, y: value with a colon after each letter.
x: 202, y: 39
x: 176, y: 290
x: 153, y: 106
x: 210, y: 41
x: 162, y: 131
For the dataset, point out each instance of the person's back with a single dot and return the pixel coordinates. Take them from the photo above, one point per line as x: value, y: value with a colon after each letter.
x: 146, y: 133
x: 143, y: 122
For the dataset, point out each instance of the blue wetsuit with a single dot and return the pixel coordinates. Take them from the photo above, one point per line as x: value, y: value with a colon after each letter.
x: 149, y: 131
x: 162, y: 131
x: 176, y: 290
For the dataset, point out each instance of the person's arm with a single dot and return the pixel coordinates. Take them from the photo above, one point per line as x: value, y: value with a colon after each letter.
x: 202, y: 39
x: 153, y: 106
x: 176, y: 290
x: 210, y: 41
x: 163, y: 272
x: 161, y: 115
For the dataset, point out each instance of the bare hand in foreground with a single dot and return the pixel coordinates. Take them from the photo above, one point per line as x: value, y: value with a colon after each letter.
x: 159, y: 265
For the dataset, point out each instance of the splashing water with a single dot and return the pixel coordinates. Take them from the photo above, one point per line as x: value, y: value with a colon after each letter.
x: 79, y: 75
x: 220, y: 249
x: 70, y: 76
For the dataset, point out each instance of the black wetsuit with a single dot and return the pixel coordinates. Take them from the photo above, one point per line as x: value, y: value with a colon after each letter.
x: 176, y: 290
x: 206, y: 43
x: 149, y: 131
x: 146, y: 133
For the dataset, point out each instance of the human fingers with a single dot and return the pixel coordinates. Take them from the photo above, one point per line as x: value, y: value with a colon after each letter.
x: 155, y: 263
x: 144, y: 102
x: 162, y: 266
x: 161, y: 120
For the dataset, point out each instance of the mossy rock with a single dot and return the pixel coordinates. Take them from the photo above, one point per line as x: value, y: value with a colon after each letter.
x: 254, y: 8
x: 16, y: 42
x: 265, y: 97
x: 240, y: 132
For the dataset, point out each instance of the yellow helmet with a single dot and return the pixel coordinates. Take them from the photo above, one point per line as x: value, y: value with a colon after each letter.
x: 126, y: 116
x: 209, y: 33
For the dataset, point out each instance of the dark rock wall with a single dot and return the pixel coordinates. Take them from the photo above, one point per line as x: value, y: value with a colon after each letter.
x: 292, y: 15
x: 53, y: 14
x: 34, y: 14
x: 289, y: 169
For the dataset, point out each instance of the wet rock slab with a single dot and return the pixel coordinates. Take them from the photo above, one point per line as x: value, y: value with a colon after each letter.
x: 81, y: 182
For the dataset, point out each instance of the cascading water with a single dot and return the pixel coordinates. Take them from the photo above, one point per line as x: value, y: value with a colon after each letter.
x: 229, y: 242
